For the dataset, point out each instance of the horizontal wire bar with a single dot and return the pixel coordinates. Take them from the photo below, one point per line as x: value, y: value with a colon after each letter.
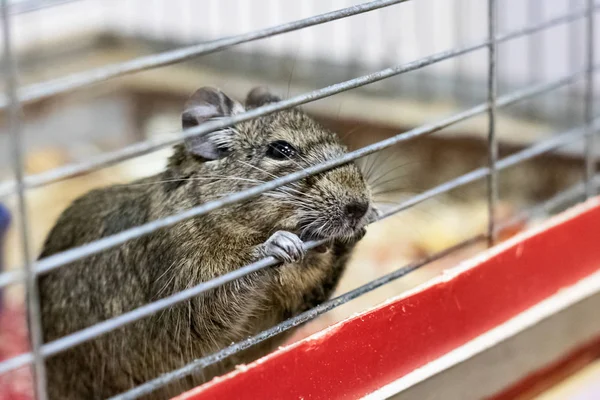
x: 52, y: 262
x: 79, y: 80
x: 141, y: 312
x: 544, y: 146
x: 561, y: 199
x: 306, y: 316
x: 502, y: 164
x: 138, y: 149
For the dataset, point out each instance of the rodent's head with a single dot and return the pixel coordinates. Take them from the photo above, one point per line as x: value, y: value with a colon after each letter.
x: 334, y: 203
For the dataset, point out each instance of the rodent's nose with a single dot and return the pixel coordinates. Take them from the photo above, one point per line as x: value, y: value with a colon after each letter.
x: 356, y: 210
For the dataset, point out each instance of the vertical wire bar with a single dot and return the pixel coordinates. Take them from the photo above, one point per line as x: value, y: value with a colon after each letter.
x: 424, y: 44
x: 492, y: 192
x: 459, y: 40
x: 535, y: 51
x: 590, y: 159
x: 14, y: 117
x: 575, y: 60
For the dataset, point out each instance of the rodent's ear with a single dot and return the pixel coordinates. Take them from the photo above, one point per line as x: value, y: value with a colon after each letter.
x: 260, y: 96
x: 206, y: 104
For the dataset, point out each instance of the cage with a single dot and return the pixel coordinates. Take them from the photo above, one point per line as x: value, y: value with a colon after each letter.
x: 476, y: 117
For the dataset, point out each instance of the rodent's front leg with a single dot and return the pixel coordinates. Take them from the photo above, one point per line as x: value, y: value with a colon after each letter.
x: 284, y: 246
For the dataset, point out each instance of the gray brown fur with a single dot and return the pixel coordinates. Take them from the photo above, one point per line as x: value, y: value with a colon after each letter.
x: 194, y: 251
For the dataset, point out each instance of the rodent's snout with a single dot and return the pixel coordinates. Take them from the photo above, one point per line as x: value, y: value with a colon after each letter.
x: 341, y: 205
x: 355, y: 210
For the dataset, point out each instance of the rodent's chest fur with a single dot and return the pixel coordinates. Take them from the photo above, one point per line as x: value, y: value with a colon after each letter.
x: 162, y: 263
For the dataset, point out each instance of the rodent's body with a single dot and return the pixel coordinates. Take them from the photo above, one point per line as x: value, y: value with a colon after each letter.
x: 172, y: 259
x: 137, y: 272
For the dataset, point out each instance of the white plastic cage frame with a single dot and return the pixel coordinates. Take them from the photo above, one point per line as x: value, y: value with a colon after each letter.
x: 15, y: 96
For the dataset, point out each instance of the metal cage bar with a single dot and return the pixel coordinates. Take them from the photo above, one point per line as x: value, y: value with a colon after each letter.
x: 12, y: 101
x: 590, y: 156
x: 535, y: 67
x: 492, y: 141
x: 14, y: 116
x: 574, y: 52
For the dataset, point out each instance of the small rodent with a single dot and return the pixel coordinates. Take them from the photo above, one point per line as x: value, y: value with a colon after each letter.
x: 333, y: 204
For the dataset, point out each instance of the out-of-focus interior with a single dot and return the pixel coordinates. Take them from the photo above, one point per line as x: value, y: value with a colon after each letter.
x: 79, y: 35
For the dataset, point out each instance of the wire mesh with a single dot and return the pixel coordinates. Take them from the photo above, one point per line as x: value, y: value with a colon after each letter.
x: 14, y: 97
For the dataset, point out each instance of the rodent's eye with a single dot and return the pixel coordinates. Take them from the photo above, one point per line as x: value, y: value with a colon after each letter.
x: 280, y: 150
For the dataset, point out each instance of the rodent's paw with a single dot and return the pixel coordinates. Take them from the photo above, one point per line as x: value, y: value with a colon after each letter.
x: 285, y: 246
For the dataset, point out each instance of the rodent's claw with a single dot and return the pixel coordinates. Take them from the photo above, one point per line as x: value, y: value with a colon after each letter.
x: 284, y: 246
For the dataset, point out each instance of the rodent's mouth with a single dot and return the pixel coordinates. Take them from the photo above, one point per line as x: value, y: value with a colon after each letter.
x: 331, y: 230
x: 328, y: 226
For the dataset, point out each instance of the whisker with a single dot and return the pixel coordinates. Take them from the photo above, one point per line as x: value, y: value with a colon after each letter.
x: 388, y: 181
x: 377, y: 164
x: 296, y: 162
x: 258, y: 169
x: 399, y: 190
x: 268, y: 173
x: 393, y: 169
x: 351, y: 131
x: 370, y: 163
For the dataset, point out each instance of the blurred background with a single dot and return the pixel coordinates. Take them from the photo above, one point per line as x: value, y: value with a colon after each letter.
x: 54, y: 38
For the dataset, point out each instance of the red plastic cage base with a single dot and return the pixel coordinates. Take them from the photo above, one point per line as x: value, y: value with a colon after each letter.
x: 18, y: 384
x: 365, y: 353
